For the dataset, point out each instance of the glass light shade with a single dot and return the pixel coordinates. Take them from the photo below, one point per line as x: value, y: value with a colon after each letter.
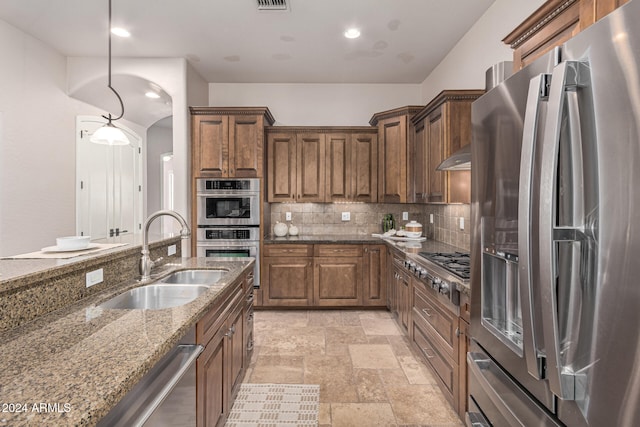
x: 109, y: 135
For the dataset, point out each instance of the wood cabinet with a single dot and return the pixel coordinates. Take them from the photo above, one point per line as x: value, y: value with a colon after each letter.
x: 321, y: 164
x: 552, y: 24
x: 395, y: 148
x: 287, y: 275
x: 400, y: 291
x: 374, y: 276
x: 351, y: 167
x: 442, y: 128
x: 221, y: 366
x: 323, y: 275
x: 228, y: 142
x: 463, y: 375
x: 435, y: 335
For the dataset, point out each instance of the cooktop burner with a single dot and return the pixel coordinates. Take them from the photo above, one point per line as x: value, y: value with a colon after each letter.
x: 458, y: 263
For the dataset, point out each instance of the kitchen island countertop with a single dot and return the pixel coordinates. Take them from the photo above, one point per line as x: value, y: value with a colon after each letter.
x: 72, y: 366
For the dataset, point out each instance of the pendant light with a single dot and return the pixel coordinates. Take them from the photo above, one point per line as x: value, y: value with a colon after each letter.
x: 109, y: 134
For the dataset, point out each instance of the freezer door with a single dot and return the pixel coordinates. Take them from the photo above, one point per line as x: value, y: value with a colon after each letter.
x: 496, y: 398
x: 590, y: 224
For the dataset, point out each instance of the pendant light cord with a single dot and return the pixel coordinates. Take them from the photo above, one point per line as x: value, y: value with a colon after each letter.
x: 109, y: 118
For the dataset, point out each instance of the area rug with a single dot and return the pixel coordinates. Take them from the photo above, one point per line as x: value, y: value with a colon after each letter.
x: 275, y: 405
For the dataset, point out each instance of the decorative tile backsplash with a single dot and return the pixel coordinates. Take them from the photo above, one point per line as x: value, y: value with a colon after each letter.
x: 366, y: 218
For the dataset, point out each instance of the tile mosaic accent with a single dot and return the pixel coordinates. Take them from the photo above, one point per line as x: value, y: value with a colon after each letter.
x: 366, y: 218
x: 271, y: 405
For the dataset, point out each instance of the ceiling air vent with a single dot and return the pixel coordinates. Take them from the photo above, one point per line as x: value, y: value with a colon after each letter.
x: 273, y: 5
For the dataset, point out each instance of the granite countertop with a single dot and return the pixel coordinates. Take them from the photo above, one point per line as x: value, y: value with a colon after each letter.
x: 81, y: 360
x: 325, y: 238
x: 15, y: 272
x: 407, y: 247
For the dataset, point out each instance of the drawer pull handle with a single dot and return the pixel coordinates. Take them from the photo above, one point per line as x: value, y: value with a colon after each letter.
x: 427, y: 312
x: 426, y: 353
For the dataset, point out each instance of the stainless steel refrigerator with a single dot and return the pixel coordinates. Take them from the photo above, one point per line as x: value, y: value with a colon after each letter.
x: 555, y: 268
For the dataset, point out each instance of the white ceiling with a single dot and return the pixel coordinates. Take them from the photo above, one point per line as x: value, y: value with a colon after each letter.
x: 231, y: 41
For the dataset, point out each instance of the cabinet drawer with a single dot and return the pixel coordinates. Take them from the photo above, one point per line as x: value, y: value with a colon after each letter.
x: 338, y: 250
x: 442, y: 323
x: 211, y: 322
x: 446, y: 372
x: 288, y: 250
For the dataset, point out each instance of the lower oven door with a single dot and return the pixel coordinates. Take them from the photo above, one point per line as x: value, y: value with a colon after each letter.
x: 233, y: 249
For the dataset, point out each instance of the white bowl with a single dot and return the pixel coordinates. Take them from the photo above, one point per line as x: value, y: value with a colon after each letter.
x: 73, y: 242
x: 413, y: 234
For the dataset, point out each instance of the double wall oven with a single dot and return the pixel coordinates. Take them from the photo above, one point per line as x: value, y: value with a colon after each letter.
x: 228, y: 216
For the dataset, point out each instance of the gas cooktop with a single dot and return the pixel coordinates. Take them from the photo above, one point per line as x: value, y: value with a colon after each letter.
x: 458, y: 263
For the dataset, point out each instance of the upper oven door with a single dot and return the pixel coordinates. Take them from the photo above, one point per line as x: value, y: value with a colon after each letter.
x: 228, y: 202
x: 229, y: 209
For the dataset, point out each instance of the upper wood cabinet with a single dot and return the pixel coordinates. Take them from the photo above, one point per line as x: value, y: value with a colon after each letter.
x: 552, y: 24
x: 395, y: 147
x: 228, y: 142
x: 351, y: 167
x: 306, y: 164
x: 441, y: 129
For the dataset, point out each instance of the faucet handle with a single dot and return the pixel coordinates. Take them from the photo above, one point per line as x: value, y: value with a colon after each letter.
x: 153, y: 263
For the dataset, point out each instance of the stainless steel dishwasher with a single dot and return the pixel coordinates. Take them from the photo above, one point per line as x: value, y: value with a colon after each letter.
x: 166, y: 395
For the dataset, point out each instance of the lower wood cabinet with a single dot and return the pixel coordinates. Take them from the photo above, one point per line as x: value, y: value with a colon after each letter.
x: 438, y: 332
x: 323, y: 275
x: 221, y: 366
x: 399, y: 291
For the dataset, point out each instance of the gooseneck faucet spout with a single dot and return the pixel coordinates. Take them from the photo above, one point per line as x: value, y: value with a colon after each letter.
x: 146, y: 264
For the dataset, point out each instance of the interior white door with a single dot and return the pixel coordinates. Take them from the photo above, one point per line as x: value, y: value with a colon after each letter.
x: 108, y: 183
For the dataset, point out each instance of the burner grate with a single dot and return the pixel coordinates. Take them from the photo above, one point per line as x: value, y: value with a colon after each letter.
x: 458, y: 263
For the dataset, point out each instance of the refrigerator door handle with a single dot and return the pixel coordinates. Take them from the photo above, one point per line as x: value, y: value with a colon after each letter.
x: 538, y: 93
x: 565, y: 381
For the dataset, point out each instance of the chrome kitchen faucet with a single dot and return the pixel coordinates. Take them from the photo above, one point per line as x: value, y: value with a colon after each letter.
x: 146, y: 264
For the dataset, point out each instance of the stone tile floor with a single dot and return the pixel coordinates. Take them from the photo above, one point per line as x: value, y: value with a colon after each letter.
x: 367, y: 372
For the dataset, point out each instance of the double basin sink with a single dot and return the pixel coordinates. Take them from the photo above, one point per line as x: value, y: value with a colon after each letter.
x: 178, y: 288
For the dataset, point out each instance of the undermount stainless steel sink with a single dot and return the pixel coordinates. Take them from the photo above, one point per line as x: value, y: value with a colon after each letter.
x: 155, y: 297
x: 194, y: 277
x: 178, y: 288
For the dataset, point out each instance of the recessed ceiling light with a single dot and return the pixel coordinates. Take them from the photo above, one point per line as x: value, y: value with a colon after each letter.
x: 152, y: 95
x: 352, y: 33
x: 120, y: 32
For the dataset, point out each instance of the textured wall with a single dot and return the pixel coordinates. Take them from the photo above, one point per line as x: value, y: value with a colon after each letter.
x: 366, y: 218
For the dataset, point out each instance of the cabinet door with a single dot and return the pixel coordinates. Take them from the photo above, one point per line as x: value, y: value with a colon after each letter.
x: 287, y: 281
x: 245, y: 146
x: 211, y: 145
x: 436, y: 138
x: 338, y: 164
x: 211, y: 383
x: 281, y: 167
x: 463, y: 337
x: 235, y: 348
x: 374, y: 276
x: 392, y: 162
x: 404, y: 301
x: 337, y: 281
x: 364, y: 168
x: 311, y: 163
x: 421, y: 165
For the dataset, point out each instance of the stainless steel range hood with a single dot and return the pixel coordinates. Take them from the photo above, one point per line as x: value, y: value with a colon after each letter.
x: 458, y: 161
